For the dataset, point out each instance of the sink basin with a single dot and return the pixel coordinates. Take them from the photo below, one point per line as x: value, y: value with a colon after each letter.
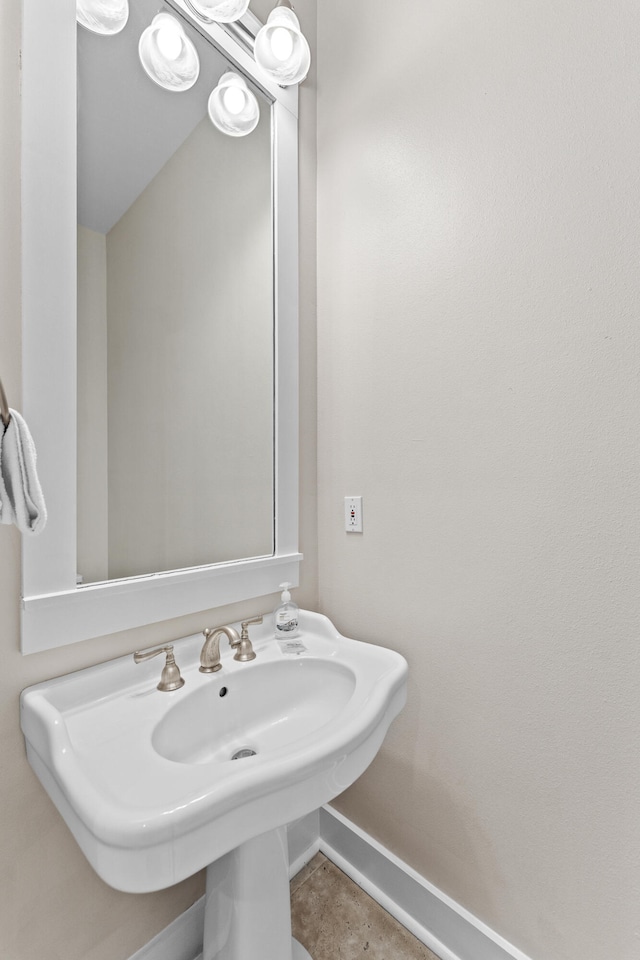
x: 256, y: 712
x: 145, y: 780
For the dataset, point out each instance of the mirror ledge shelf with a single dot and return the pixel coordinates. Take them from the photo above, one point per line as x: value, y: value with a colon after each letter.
x: 57, y: 619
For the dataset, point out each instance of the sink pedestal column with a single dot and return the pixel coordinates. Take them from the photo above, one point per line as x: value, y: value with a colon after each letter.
x: 247, y: 905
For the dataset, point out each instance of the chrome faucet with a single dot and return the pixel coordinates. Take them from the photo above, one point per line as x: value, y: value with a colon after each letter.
x: 210, y: 653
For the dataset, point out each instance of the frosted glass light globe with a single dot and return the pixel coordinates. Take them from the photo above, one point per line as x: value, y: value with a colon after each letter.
x: 102, y: 16
x: 233, y: 108
x: 220, y: 11
x: 281, y: 50
x: 167, y: 54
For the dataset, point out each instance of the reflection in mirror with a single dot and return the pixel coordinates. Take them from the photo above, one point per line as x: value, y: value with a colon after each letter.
x: 175, y: 319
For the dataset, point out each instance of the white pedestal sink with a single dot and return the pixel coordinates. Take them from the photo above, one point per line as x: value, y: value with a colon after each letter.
x: 146, y: 782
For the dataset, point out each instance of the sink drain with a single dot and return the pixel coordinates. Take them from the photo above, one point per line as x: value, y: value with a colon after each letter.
x: 245, y: 752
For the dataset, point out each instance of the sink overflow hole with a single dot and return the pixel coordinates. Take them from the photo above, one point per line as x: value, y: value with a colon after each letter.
x: 223, y: 692
x: 245, y: 752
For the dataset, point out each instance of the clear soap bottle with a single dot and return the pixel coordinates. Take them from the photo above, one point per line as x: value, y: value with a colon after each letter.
x: 286, y: 615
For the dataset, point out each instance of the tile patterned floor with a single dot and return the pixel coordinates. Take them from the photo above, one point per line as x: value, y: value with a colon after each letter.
x: 336, y: 920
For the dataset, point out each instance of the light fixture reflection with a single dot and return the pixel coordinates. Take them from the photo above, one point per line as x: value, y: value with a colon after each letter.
x: 102, y: 16
x: 281, y: 49
x: 220, y: 11
x: 232, y: 106
x: 167, y: 54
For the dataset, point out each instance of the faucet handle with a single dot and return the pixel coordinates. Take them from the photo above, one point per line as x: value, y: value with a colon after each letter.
x: 245, y: 627
x: 170, y: 678
x: 245, y: 651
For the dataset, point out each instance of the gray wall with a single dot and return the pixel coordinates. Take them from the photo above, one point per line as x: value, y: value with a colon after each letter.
x: 479, y: 359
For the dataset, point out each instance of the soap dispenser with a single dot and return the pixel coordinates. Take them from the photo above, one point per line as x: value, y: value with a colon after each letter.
x: 286, y: 615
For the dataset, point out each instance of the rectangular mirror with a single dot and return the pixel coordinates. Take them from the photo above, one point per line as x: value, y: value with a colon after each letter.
x: 175, y: 318
x: 159, y: 332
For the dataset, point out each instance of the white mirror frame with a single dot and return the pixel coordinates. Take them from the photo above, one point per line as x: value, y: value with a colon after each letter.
x: 55, y: 611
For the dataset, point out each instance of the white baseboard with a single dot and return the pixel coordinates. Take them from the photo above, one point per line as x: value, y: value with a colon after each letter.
x: 181, y: 940
x: 430, y: 915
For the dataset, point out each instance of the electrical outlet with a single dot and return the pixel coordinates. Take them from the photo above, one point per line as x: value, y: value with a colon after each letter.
x: 353, y: 514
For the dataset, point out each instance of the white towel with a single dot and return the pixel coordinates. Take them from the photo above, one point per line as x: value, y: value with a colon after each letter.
x: 21, y: 499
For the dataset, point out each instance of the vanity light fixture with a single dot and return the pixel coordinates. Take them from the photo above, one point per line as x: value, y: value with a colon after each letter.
x: 233, y: 108
x: 102, y: 16
x: 167, y: 54
x: 280, y: 49
x: 219, y: 11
